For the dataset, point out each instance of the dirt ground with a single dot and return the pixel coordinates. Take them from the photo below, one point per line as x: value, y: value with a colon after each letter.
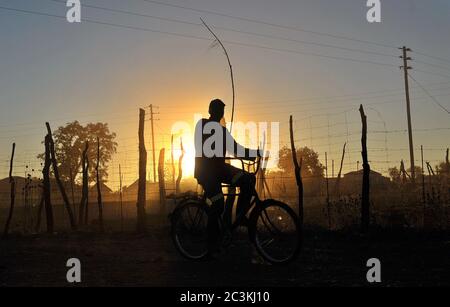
x: 407, y: 258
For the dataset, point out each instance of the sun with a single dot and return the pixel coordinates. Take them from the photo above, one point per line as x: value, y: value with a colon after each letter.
x: 188, y: 164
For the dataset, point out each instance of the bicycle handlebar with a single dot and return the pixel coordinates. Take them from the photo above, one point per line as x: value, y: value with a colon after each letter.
x: 244, y: 162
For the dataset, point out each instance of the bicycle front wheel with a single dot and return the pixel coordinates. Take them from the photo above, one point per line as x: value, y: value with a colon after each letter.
x: 275, y: 231
x: 189, y: 229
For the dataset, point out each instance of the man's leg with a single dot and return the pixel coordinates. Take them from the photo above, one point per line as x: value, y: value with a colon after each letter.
x: 246, y: 183
x: 213, y: 192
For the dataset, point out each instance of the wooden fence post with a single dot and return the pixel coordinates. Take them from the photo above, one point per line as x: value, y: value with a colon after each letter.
x: 46, y: 182
x: 141, y: 219
x: 83, y: 210
x: 172, y: 161
x: 430, y: 168
x: 12, y: 183
x: 423, y: 176
x: 328, y: 191
x: 27, y: 221
x: 180, y: 168
x: 99, y: 191
x: 260, y: 182
x: 403, y: 172
x: 267, y: 187
x: 121, y: 198
x: 447, y: 171
x: 338, y: 179
x: 424, y: 200
x: 39, y: 215
x: 430, y: 178
x: 58, y: 180
x: 365, y: 197
x: 71, y: 178
x: 297, y: 170
x: 161, y: 181
x: 332, y: 168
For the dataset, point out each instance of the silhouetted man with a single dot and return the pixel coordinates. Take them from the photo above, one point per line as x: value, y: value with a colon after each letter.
x: 212, y: 142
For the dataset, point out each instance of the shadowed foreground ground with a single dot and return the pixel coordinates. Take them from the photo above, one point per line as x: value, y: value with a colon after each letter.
x: 328, y: 259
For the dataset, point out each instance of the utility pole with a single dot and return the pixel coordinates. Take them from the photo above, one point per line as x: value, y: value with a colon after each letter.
x: 153, y: 142
x: 121, y: 199
x: 423, y: 175
x: 405, y: 68
x: 328, y: 193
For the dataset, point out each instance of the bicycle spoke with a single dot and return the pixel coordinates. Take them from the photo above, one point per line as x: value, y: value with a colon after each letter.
x: 199, y: 212
x: 271, y: 224
x: 276, y: 234
x: 267, y: 242
x: 189, y: 214
x: 189, y: 233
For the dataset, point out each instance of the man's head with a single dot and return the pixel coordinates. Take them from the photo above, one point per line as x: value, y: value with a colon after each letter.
x: 216, y: 109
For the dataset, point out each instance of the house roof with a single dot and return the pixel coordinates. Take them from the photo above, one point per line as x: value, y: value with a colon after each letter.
x: 104, y: 188
x: 360, y: 172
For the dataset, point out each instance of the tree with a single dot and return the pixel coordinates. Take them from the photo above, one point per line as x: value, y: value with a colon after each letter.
x: 311, y: 166
x: 394, y: 174
x: 443, y: 168
x: 69, y: 144
x: 68, y: 148
x: 108, y: 147
x: 397, y: 175
x: 417, y: 171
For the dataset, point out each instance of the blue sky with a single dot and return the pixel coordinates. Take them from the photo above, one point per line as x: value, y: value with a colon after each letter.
x: 56, y: 71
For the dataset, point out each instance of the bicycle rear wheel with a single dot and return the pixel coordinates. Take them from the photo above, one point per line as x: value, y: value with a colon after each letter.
x: 189, y: 229
x: 275, y: 231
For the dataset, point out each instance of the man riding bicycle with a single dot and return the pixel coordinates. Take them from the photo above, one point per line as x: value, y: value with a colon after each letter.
x: 212, y: 142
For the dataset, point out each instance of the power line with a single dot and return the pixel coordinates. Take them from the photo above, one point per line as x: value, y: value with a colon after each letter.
x: 277, y: 104
x: 430, y: 64
x: 433, y: 73
x: 432, y: 57
x: 404, y: 130
x: 234, y: 30
x: 87, y: 20
x: 346, y: 107
x: 271, y: 24
x: 105, y: 23
x: 429, y: 95
x: 358, y: 132
x: 323, y: 99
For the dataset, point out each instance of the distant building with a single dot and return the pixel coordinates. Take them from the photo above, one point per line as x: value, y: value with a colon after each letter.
x: 131, y: 191
x: 107, y: 193
x: 352, y: 181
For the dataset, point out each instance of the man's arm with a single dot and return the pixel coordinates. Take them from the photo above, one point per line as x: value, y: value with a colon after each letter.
x: 237, y: 149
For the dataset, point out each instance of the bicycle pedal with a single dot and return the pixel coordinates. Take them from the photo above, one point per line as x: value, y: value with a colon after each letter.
x: 259, y: 260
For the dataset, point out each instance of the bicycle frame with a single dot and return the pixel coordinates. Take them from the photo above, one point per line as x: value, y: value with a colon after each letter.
x: 254, y: 193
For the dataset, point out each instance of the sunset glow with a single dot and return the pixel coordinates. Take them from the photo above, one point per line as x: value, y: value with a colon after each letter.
x: 230, y: 151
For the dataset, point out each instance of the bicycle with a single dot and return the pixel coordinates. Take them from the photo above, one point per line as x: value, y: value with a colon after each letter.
x: 273, y: 226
